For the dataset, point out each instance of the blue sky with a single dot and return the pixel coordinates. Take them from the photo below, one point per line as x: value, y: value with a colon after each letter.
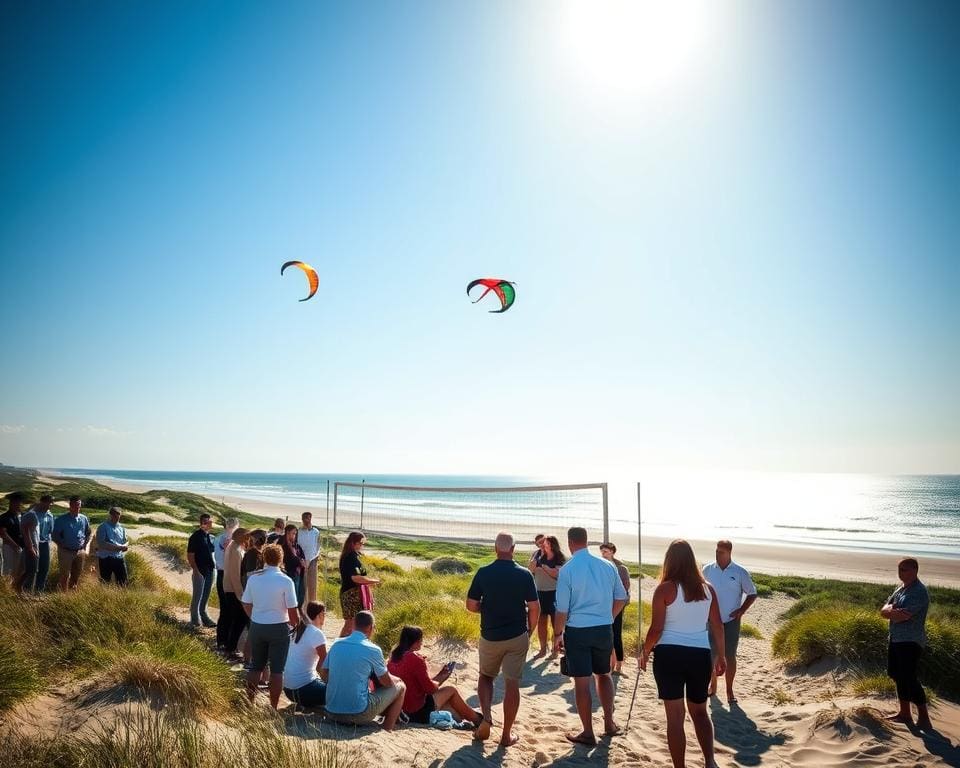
x: 733, y: 230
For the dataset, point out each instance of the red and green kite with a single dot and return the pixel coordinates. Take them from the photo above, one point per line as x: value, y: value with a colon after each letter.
x: 503, y: 288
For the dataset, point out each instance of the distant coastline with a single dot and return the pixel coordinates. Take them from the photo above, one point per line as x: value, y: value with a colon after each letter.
x: 781, y: 558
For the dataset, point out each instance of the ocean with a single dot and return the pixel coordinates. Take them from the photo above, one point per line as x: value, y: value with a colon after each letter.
x: 884, y: 513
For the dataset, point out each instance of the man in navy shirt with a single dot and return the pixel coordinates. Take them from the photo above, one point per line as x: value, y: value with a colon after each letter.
x: 11, y: 564
x: 71, y: 534
x: 200, y: 557
x: 505, y: 596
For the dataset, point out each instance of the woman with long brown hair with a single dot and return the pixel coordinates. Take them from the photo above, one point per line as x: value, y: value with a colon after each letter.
x: 426, y: 694
x: 683, y: 606
x: 353, y: 577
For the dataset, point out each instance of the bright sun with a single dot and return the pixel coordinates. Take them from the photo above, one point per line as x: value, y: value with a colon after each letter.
x: 633, y: 48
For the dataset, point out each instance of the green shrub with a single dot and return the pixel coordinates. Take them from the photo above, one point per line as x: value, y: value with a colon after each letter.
x: 450, y: 565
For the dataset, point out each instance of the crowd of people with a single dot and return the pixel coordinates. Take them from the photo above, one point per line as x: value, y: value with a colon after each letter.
x: 27, y: 537
x: 572, y: 604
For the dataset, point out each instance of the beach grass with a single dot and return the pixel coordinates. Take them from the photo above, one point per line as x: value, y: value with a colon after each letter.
x: 858, y: 637
x: 172, y: 738
x: 119, y: 637
x: 173, y: 548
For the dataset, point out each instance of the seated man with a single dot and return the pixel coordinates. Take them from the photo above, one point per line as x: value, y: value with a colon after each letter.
x: 347, y: 670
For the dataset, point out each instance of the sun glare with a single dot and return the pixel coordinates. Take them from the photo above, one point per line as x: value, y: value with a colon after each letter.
x: 627, y: 49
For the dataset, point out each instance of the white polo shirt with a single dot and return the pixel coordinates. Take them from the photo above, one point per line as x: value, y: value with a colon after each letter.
x: 309, y: 541
x: 732, y: 584
x: 271, y: 593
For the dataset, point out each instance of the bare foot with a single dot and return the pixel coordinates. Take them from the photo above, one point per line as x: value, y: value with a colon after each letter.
x: 925, y: 725
x: 541, y: 653
x: 509, y: 742
x: 587, y: 739
x: 482, y: 733
x: 611, y: 730
x: 899, y: 717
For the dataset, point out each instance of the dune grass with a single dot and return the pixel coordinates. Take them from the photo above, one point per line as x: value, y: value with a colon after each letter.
x: 859, y: 638
x: 171, y: 738
x: 118, y: 636
x: 748, y: 630
x: 174, y: 548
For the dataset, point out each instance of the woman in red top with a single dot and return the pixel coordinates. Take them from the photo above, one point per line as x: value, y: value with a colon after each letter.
x: 424, y: 693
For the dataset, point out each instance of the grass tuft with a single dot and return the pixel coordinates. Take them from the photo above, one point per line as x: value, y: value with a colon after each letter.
x: 748, y: 630
x: 168, y: 738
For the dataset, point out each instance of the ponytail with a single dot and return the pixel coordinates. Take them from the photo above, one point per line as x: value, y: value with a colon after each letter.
x: 312, y: 610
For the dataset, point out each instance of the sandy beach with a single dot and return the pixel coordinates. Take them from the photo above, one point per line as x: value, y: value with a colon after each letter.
x: 808, y: 719
x: 852, y: 565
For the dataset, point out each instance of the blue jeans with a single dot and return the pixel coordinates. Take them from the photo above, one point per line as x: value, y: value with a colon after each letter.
x: 313, y: 694
x: 202, y: 584
x: 35, y: 569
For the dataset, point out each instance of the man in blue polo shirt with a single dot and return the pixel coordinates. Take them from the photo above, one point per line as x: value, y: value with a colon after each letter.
x: 36, y: 526
x: 111, y: 548
x: 347, y: 670
x: 589, y: 595
x: 71, y: 534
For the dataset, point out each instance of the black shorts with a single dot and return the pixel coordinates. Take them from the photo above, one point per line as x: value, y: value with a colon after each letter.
x: 588, y: 650
x: 422, y: 715
x: 679, y: 667
x: 548, y: 602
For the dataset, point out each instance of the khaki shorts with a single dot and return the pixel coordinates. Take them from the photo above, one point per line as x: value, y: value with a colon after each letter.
x: 509, y: 655
x: 377, y: 703
x: 70, y: 562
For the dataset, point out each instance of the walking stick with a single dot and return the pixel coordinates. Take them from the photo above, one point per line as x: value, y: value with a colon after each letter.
x: 636, y: 682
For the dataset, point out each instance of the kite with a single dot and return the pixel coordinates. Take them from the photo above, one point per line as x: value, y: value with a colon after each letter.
x: 309, y: 271
x: 503, y: 288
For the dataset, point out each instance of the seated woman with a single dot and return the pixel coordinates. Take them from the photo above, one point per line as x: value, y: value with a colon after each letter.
x: 424, y: 693
x: 308, y: 648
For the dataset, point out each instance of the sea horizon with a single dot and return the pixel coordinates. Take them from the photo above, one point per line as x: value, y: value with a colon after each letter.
x: 919, y: 513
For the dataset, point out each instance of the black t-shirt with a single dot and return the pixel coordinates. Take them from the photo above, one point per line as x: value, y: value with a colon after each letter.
x: 11, y: 524
x: 201, y: 544
x: 292, y: 555
x: 503, y: 588
x: 350, y: 565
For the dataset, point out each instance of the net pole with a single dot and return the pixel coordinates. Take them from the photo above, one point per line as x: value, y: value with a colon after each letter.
x: 636, y: 682
x: 362, y: 488
x: 336, y: 490
x: 328, y: 503
x: 606, y: 515
x: 639, y: 566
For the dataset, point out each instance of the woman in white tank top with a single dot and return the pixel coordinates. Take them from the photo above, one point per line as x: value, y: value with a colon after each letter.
x: 684, y: 611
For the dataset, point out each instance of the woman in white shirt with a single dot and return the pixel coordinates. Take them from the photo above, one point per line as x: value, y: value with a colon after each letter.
x: 308, y: 648
x: 684, y: 605
x: 270, y: 601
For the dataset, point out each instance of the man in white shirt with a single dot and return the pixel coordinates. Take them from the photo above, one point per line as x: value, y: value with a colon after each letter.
x: 589, y: 595
x: 308, y: 538
x: 731, y: 582
x: 347, y: 670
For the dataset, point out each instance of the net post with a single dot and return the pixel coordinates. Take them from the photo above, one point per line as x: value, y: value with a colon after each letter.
x: 336, y: 489
x: 362, y: 488
x: 606, y: 515
x: 640, y: 567
x: 328, y: 503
